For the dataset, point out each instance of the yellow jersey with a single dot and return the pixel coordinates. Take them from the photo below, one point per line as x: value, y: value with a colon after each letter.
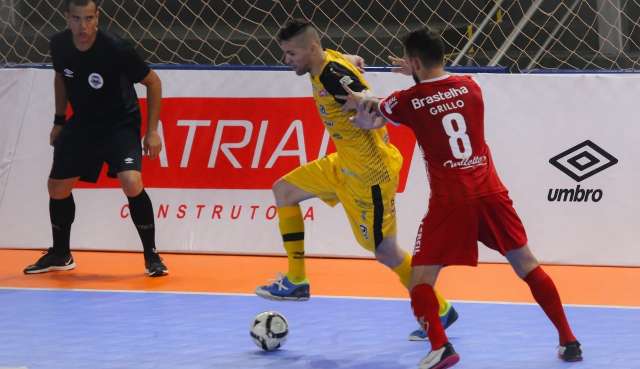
x: 365, y: 155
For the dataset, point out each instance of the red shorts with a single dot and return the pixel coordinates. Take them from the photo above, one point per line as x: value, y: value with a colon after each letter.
x: 449, y: 233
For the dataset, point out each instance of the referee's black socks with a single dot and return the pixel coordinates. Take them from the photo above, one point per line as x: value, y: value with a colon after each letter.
x: 62, y: 212
x: 142, y: 215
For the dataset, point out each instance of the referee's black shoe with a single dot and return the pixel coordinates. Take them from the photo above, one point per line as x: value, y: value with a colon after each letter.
x: 50, y: 261
x: 154, y: 267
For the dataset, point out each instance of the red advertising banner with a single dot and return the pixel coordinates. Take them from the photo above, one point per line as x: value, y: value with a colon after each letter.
x: 240, y: 143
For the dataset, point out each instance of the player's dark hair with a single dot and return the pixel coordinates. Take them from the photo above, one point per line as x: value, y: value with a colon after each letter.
x: 67, y: 3
x: 293, y: 28
x: 425, y: 44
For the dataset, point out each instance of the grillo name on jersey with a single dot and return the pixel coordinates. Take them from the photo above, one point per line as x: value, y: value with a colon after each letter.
x: 441, y: 96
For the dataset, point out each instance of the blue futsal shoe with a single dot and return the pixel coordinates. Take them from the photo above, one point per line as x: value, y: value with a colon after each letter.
x: 447, y: 319
x: 282, y: 289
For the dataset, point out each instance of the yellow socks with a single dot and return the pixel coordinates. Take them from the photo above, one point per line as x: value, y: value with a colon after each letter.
x: 444, y: 304
x: 292, y: 230
x: 404, y: 273
x: 404, y: 270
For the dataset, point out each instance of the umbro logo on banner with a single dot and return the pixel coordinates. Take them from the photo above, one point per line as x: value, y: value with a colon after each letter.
x: 580, y: 162
x: 583, y: 160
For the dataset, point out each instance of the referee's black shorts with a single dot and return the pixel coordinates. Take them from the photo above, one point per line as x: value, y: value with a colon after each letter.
x: 81, y: 149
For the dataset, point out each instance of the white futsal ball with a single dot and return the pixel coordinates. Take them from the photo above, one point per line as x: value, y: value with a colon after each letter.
x: 269, y: 330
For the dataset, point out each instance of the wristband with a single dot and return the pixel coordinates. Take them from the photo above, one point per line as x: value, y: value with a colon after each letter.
x: 59, y: 120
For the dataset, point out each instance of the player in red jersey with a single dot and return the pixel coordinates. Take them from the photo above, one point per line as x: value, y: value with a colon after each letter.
x: 468, y: 201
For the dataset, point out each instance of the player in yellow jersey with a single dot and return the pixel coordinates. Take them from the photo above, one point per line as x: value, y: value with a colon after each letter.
x: 362, y: 174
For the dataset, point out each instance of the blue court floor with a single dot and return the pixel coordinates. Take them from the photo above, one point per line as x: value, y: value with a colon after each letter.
x: 61, y: 329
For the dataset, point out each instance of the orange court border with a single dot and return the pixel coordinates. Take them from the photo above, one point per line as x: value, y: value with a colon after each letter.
x: 582, y: 285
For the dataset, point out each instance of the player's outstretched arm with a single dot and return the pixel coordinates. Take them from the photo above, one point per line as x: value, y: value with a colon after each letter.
x: 399, y: 65
x: 152, y: 142
x: 61, y: 101
x: 354, y: 99
x: 367, y: 115
x: 357, y: 61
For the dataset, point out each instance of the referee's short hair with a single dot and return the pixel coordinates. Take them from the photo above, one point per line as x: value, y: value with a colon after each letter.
x: 67, y: 3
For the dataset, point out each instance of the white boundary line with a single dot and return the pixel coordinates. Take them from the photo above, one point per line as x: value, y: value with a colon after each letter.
x: 314, y: 296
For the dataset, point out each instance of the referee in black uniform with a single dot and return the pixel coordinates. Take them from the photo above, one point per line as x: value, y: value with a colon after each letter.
x: 95, y: 72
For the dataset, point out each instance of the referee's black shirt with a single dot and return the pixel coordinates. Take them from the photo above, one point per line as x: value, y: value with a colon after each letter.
x: 99, y: 81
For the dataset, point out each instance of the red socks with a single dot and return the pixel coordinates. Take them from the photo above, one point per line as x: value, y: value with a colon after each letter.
x: 425, y: 308
x: 546, y: 295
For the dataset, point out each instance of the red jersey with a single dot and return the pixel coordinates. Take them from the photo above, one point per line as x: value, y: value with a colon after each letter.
x: 446, y: 115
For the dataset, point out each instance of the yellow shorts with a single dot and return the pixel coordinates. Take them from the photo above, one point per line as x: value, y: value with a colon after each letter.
x: 370, y: 209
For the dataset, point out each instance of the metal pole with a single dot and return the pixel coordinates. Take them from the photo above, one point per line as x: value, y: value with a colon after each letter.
x: 516, y: 31
x: 609, y: 27
x: 484, y: 23
x: 7, y: 13
x: 534, y: 60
